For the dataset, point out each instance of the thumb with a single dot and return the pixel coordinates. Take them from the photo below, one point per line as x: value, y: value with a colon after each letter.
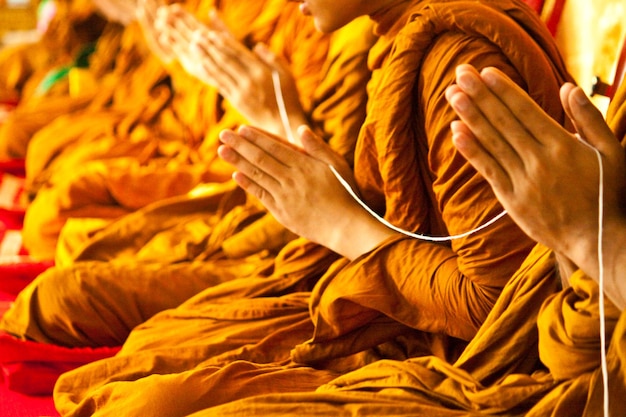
x: 589, y: 120
x: 271, y: 59
x: 315, y: 146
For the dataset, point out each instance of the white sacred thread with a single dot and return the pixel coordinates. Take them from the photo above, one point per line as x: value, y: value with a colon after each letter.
x: 282, y: 109
x: 285, y: 120
x: 404, y: 232
x: 605, y: 371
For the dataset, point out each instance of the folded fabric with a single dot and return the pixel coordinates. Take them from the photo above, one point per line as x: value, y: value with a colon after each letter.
x: 6, y: 106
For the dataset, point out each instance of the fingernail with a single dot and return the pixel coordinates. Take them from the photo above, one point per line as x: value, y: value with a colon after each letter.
x: 466, y: 81
x: 580, y: 96
x: 458, y: 101
x: 226, y: 136
x: 488, y: 77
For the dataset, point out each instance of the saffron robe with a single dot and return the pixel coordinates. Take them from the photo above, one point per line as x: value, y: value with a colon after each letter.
x: 265, y: 333
x: 215, y: 228
x: 498, y: 373
x: 100, y: 163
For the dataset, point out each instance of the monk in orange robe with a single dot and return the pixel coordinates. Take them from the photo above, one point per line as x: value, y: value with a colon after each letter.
x: 35, y: 74
x: 75, y: 24
x: 214, y: 228
x: 117, y: 152
x: 510, y: 369
x: 363, y: 292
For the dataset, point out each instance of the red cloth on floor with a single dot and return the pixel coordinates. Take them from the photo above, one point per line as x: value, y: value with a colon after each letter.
x: 32, y: 368
x: 18, y: 272
x: 14, y: 404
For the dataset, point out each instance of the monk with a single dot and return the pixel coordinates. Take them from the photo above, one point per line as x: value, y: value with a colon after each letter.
x: 517, y: 146
x: 362, y: 293
x: 117, y: 151
x: 178, y: 246
x: 36, y: 74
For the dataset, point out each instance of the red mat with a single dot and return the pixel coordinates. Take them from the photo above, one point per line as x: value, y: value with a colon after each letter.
x: 14, y: 404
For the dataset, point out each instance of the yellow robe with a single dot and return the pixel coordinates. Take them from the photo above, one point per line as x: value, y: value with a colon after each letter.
x: 110, y: 161
x: 215, y: 228
x: 265, y: 333
x: 499, y: 372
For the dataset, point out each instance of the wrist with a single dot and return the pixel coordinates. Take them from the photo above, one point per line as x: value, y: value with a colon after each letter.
x: 360, y: 234
x: 614, y: 262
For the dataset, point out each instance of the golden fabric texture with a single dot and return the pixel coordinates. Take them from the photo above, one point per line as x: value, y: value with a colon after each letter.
x: 309, y: 317
x: 120, y: 150
x: 498, y: 373
x: 214, y: 223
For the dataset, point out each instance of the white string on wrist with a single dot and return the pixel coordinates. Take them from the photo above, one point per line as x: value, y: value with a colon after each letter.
x: 404, y: 232
x: 605, y: 371
x: 282, y: 109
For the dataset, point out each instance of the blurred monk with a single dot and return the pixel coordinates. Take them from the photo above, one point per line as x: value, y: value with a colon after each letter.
x: 156, y: 129
x: 177, y: 246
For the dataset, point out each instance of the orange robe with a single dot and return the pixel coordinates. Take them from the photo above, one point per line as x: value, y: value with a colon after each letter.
x: 266, y: 333
x: 109, y: 162
x: 214, y: 228
x: 537, y: 354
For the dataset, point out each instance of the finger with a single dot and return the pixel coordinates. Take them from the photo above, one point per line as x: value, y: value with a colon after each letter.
x: 490, y: 137
x: 232, y: 51
x: 236, y: 64
x: 264, y: 196
x: 590, y: 121
x: 147, y: 14
x: 523, y: 113
x: 185, y: 23
x: 472, y: 149
x: 270, y: 58
x: 257, y: 156
x: 493, y: 114
x: 142, y: 11
x: 207, y: 68
x: 315, y: 146
x: 248, y: 175
x: 564, y: 92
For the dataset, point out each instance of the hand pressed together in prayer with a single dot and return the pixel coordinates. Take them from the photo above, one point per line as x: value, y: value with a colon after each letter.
x: 543, y: 175
x: 299, y: 189
x: 215, y: 57
x: 147, y: 17
x: 120, y: 11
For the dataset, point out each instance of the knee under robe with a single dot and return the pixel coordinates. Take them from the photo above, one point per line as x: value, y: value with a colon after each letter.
x: 404, y: 299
